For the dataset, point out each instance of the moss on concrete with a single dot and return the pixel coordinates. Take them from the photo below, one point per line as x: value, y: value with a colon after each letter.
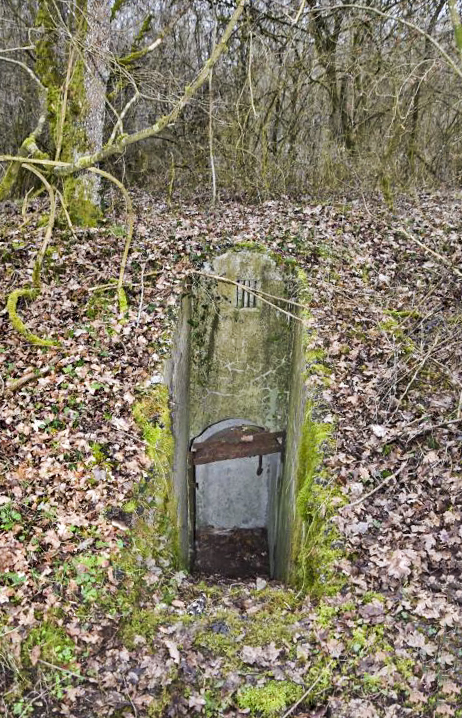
x: 154, y: 527
x: 239, y: 355
x: 317, y: 498
x: 317, y: 501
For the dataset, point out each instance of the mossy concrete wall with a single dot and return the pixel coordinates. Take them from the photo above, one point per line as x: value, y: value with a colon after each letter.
x: 178, y: 379
x: 229, y: 361
x: 240, y: 357
x: 285, y: 507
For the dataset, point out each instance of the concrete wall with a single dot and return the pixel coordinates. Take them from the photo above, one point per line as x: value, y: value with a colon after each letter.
x: 178, y: 380
x: 240, y: 357
x: 285, y: 507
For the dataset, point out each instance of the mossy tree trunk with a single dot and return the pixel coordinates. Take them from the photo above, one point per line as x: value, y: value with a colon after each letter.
x: 76, y: 80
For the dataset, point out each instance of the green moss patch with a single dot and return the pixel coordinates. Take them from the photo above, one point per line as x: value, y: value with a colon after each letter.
x: 56, y: 647
x: 145, y: 623
x: 269, y: 699
x: 316, y: 503
x: 315, y: 536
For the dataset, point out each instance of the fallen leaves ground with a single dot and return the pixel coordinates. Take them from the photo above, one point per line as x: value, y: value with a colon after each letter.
x: 389, y: 319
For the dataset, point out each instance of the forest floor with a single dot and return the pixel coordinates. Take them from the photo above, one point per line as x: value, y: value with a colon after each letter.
x: 79, y: 635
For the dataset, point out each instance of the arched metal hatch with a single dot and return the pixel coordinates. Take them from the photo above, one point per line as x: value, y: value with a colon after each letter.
x: 237, y: 467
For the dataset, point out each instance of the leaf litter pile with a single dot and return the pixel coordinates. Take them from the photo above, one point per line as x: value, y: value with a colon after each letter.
x: 83, y: 633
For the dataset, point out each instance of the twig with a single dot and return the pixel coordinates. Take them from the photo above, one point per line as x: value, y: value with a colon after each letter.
x: 305, y: 695
x: 135, y: 710
x: 64, y: 670
x: 17, y: 49
x: 25, y: 204
x: 30, y: 703
x: 12, y: 630
x: 299, y: 12
x: 211, y: 155
x: 442, y: 259
x: 254, y: 292
x: 140, y: 307
x: 67, y: 215
x: 374, y: 491
x: 62, y: 114
x: 249, y: 72
x: 24, y: 67
x: 113, y: 285
x: 260, y: 292
x: 119, y: 124
x: 427, y: 429
x: 412, y: 379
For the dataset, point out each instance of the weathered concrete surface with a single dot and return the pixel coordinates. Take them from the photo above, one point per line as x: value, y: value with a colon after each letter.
x: 178, y: 380
x: 284, y: 507
x: 240, y: 357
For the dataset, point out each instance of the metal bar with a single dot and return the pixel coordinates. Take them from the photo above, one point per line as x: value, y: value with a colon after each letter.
x: 238, y: 447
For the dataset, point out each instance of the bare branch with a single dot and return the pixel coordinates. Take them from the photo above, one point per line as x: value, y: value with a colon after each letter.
x: 88, y: 161
x: 118, y: 127
x: 4, y: 50
x: 438, y: 256
x: 30, y: 72
x: 456, y: 24
x: 401, y: 21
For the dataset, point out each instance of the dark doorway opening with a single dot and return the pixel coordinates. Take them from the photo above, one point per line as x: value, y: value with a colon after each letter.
x: 236, y: 469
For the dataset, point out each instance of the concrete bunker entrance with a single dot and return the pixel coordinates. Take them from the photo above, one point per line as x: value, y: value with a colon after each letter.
x: 237, y: 469
x: 237, y: 403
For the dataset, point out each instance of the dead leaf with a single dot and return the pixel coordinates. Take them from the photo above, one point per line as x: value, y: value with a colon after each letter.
x: 173, y: 650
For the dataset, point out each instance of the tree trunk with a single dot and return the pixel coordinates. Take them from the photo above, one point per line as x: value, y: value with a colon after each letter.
x: 76, y: 92
x: 82, y: 193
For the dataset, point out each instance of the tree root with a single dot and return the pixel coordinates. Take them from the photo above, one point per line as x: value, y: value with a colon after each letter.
x: 17, y: 322
x: 32, y: 293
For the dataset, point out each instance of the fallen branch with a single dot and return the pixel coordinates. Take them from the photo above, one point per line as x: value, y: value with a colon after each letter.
x: 438, y: 256
x: 122, y: 297
x: 32, y: 293
x: 113, y: 285
x: 427, y: 429
x: 16, y: 321
x: 414, y: 375
x: 50, y: 224
x: 374, y: 491
x: 13, y: 386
